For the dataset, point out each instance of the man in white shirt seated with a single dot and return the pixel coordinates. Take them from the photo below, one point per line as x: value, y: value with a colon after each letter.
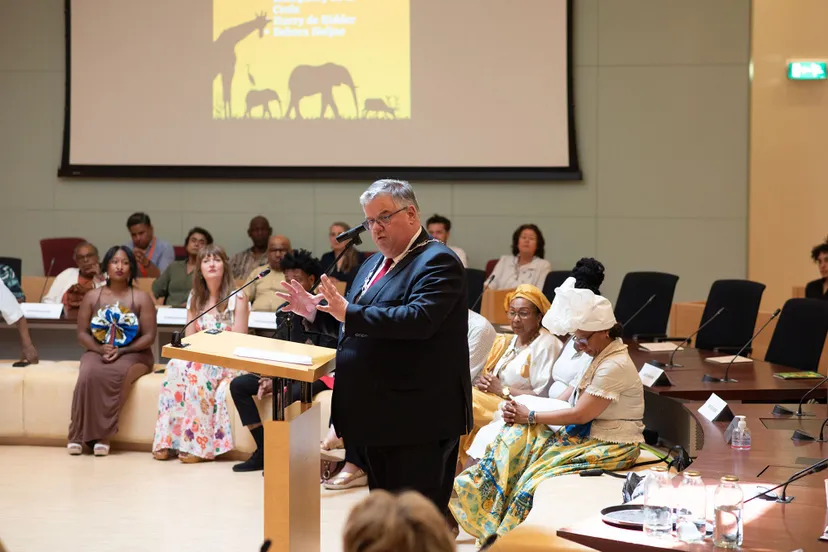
x: 440, y: 228
x: 481, y: 338
x: 13, y: 315
x: 72, y: 284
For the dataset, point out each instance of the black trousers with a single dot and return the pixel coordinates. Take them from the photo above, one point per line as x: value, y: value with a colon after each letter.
x: 426, y: 468
x: 243, y: 388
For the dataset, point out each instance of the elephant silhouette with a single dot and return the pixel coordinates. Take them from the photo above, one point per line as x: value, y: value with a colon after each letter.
x: 256, y: 98
x: 309, y: 80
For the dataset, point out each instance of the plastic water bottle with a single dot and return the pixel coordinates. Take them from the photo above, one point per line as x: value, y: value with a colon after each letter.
x: 658, y: 507
x: 728, y: 503
x: 740, y: 440
x: 691, y: 508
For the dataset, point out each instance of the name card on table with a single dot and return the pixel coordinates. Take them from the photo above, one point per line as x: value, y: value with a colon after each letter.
x: 171, y: 317
x: 716, y: 410
x: 652, y: 375
x: 42, y: 311
x: 262, y: 320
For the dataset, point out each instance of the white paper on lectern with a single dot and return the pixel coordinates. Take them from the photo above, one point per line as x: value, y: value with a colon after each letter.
x: 273, y: 356
x: 712, y: 407
x: 663, y: 347
x: 649, y: 374
x: 488, y: 433
x: 727, y: 359
x: 262, y: 320
x: 41, y: 311
x: 169, y: 316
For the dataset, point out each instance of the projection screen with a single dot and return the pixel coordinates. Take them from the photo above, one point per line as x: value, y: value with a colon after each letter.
x: 319, y: 88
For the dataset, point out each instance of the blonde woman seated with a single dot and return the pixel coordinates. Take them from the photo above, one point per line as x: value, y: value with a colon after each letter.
x: 602, y: 430
x: 522, y: 362
x: 193, y: 422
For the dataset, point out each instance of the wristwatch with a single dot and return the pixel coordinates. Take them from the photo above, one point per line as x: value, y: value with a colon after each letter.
x: 531, y: 417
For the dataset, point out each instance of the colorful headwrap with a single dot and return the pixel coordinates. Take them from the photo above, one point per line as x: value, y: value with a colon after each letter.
x: 578, y: 309
x: 531, y: 294
x: 115, y: 325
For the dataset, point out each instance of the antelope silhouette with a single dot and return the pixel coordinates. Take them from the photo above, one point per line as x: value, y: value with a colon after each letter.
x: 377, y: 105
x: 224, y: 55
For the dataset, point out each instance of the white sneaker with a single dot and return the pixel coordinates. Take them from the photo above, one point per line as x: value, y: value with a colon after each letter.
x: 75, y: 449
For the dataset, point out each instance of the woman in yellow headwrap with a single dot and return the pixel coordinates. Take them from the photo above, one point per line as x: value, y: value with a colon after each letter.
x: 521, y: 362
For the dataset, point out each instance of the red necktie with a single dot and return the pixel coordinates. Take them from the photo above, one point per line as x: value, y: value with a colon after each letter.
x: 382, y: 272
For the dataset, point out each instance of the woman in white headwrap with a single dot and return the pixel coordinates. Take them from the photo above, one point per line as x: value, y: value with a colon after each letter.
x: 603, y: 428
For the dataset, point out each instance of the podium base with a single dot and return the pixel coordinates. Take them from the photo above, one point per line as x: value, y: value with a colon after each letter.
x: 291, y: 480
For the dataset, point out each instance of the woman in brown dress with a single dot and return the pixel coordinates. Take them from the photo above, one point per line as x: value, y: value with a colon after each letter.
x: 116, y: 325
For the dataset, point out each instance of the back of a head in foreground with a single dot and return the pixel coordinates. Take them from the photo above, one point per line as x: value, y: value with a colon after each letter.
x: 407, y: 522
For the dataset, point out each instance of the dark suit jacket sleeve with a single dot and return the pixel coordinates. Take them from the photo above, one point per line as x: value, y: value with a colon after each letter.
x: 434, y: 294
x: 326, y: 325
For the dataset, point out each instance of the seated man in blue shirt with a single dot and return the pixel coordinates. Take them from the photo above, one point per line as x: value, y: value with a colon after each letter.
x: 153, y: 254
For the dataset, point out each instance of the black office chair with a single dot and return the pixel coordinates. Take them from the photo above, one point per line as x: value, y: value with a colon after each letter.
x: 799, y: 336
x: 474, y: 287
x: 734, y: 327
x: 636, y: 290
x: 554, y: 279
x: 15, y: 264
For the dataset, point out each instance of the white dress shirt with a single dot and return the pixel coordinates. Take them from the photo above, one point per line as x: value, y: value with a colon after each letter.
x: 481, y: 338
x: 9, y: 307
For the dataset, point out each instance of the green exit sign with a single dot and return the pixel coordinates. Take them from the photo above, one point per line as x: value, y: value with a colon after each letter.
x: 807, y: 70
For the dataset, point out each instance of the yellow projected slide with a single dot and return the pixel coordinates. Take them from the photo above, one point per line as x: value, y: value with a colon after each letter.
x: 311, y: 59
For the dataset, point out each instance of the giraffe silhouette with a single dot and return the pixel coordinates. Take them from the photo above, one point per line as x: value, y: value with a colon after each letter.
x: 224, y: 55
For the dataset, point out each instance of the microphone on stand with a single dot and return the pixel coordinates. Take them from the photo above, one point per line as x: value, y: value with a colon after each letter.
x: 45, y: 282
x: 781, y: 410
x: 785, y: 499
x: 352, y: 233
x: 686, y: 341
x: 641, y: 308
x: 486, y: 285
x: 725, y: 379
x: 177, y: 336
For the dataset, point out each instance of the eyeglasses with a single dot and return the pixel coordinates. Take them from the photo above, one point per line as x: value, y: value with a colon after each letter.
x: 583, y: 341
x: 522, y: 314
x: 88, y: 257
x: 383, y: 220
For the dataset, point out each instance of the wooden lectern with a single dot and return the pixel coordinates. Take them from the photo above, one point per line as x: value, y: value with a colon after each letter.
x: 491, y: 308
x: 291, y: 475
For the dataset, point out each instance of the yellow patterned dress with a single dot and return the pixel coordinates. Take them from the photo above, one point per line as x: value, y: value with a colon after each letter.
x: 496, y: 495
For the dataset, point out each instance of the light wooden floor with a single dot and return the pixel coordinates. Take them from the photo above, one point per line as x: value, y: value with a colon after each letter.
x: 130, y: 502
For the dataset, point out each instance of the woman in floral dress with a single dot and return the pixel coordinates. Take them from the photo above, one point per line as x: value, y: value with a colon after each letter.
x: 193, y: 422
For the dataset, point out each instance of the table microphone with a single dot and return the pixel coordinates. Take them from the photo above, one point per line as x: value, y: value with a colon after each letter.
x: 48, y: 273
x: 781, y: 410
x: 785, y: 499
x: 352, y: 233
x: 686, y: 341
x: 486, y: 285
x: 177, y: 336
x: 725, y: 379
x: 800, y: 435
x: 641, y: 308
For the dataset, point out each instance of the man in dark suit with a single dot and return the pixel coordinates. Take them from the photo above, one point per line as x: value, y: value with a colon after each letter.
x: 403, y: 391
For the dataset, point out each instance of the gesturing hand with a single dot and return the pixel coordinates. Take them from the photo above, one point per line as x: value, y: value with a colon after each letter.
x: 265, y: 388
x: 337, y: 305
x: 299, y: 301
x: 514, y: 413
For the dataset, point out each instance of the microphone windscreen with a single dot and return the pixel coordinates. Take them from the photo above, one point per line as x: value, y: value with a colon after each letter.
x: 264, y: 273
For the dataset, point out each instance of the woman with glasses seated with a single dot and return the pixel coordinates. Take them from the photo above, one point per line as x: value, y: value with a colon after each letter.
x: 566, y: 371
x: 602, y: 429
x: 522, y: 362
